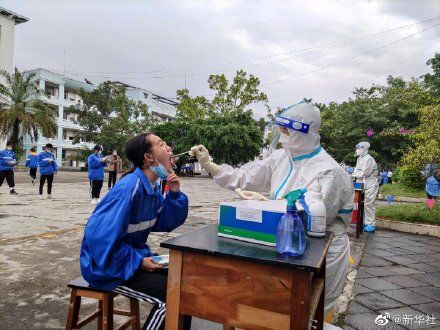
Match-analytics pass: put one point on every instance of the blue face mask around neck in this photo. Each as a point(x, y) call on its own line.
point(160, 171)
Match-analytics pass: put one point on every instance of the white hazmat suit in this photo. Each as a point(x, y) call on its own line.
point(301, 161)
point(366, 171)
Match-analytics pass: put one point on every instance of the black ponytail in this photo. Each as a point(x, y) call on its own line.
point(135, 149)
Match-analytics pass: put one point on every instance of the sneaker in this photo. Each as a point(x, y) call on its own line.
point(13, 192)
point(49, 197)
point(94, 201)
point(369, 229)
point(98, 201)
point(40, 197)
point(33, 182)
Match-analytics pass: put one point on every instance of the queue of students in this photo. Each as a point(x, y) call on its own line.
point(44, 161)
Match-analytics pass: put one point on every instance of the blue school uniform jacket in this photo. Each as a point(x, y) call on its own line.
point(432, 186)
point(95, 167)
point(47, 167)
point(32, 160)
point(115, 236)
point(5, 157)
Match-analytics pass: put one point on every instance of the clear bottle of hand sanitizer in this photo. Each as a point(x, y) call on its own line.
point(291, 236)
point(317, 217)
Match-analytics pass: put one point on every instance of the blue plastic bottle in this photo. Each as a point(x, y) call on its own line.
point(291, 235)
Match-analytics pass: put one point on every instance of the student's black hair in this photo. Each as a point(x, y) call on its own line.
point(135, 149)
point(49, 145)
point(97, 147)
point(33, 149)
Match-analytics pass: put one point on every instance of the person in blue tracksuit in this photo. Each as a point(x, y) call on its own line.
point(383, 177)
point(432, 186)
point(114, 254)
point(32, 163)
point(95, 165)
point(7, 163)
point(48, 168)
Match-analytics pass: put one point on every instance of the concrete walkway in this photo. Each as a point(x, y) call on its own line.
point(399, 274)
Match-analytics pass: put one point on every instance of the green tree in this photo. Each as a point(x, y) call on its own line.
point(224, 124)
point(432, 80)
point(191, 108)
point(236, 96)
point(22, 111)
point(385, 110)
point(426, 139)
point(109, 117)
point(232, 138)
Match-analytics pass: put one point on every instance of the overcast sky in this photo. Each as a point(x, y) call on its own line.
point(313, 49)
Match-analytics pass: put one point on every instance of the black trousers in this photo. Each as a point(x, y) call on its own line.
point(49, 183)
point(96, 187)
point(112, 178)
point(33, 173)
point(151, 287)
point(9, 175)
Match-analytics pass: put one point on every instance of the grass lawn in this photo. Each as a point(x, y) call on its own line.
point(398, 190)
point(417, 213)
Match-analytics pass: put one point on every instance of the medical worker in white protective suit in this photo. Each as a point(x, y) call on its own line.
point(301, 161)
point(366, 172)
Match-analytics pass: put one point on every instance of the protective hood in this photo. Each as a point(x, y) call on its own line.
point(362, 149)
point(303, 136)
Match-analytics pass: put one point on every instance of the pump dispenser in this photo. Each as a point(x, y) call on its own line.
point(291, 236)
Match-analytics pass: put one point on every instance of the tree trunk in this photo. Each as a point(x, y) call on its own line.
point(14, 139)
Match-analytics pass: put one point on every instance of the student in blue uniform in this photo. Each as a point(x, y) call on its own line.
point(32, 163)
point(383, 178)
point(114, 253)
point(48, 168)
point(7, 163)
point(432, 186)
point(95, 165)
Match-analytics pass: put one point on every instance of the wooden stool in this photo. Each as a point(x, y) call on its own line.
point(80, 288)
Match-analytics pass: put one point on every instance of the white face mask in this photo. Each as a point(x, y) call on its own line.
point(290, 142)
point(8, 148)
point(359, 151)
point(284, 139)
point(115, 153)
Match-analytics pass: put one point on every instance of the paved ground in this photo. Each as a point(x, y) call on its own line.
point(40, 241)
point(399, 274)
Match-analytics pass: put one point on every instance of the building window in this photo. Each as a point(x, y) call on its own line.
point(50, 91)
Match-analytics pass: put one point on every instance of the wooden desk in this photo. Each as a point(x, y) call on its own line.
point(244, 285)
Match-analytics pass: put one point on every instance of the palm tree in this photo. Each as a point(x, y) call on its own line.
point(22, 108)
